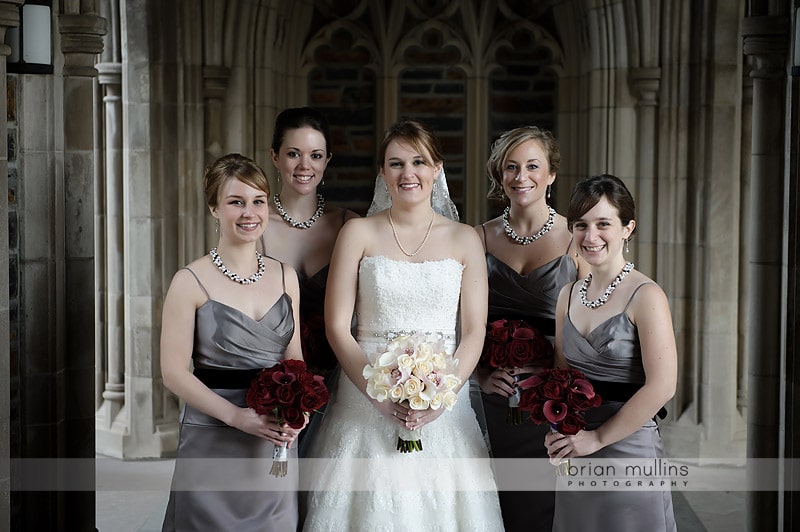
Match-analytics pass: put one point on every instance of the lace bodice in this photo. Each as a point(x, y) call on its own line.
point(395, 295)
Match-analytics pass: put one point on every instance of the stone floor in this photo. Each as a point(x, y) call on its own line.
point(142, 510)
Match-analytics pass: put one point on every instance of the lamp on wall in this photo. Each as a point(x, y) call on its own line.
point(31, 42)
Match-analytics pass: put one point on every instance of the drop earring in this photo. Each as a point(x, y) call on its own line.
point(548, 191)
point(627, 249)
point(216, 226)
point(385, 187)
point(279, 176)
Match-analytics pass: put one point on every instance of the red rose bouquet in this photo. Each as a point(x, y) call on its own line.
point(559, 397)
point(288, 391)
point(514, 344)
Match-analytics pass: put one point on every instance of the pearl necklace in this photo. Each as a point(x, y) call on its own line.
point(276, 199)
point(235, 276)
point(396, 239)
point(525, 240)
point(600, 301)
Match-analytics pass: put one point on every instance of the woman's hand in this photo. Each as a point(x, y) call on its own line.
point(397, 412)
point(406, 417)
point(561, 447)
point(266, 427)
point(416, 419)
point(499, 381)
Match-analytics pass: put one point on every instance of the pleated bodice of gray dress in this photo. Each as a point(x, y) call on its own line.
point(221, 479)
point(611, 357)
point(531, 297)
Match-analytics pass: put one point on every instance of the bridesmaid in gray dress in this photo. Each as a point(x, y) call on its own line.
point(616, 327)
point(526, 273)
point(303, 230)
point(230, 314)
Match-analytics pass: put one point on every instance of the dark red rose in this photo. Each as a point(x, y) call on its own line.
point(520, 349)
point(312, 383)
point(293, 417)
point(553, 389)
point(578, 402)
point(311, 401)
point(571, 424)
point(561, 375)
point(285, 396)
point(554, 411)
point(498, 357)
point(537, 414)
point(499, 331)
point(294, 366)
point(260, 398)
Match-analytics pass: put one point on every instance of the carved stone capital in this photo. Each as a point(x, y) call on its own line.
point(9, 14)
point(109, 73)
point(645, 83)
point(766, 40)
point(81, 42)
point(215, 81)
point(9, 18)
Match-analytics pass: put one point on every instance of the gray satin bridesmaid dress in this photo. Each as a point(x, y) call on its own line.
point(531, 297)
point(611, 358)
point(229, 349)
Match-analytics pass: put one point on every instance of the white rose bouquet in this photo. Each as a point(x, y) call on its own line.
point(416, 369)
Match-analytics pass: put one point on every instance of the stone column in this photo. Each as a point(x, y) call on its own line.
point(792, 497)
point(9, 17)
point(110, 432)
point(766, 42)
point(475, 158)
point(645, 83)
point(215, 84)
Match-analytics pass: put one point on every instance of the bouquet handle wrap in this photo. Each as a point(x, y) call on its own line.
point(514, 414)
point(280, 461)
point(562, 468)
point(409, 440)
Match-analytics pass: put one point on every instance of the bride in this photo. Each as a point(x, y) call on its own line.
point(406, 268)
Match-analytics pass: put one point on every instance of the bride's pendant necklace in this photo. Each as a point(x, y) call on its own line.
point(276, 199)
point(525, 240)
point(600, 301)
point(235, 276)
point(396, 239)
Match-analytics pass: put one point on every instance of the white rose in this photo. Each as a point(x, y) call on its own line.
point(396, 393)
point(377, 392)
point(438, 361)
point(412, 386)
point(449, 399)
point(437, 401)
point(423, 367)
point(405, 361)
point(451, 381)
point(417, 403)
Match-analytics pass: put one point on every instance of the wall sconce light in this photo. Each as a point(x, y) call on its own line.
point(31, 42)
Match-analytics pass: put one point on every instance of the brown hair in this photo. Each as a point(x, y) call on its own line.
point(588, 192)
point(509, 141)
point(299, 117)
point(420, 136)
point(232, 166)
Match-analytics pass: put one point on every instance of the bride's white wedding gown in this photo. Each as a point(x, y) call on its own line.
point(364, 483)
